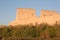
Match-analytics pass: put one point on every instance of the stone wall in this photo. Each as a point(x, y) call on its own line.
point(24, 13)
point(26, 16)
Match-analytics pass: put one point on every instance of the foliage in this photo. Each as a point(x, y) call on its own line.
point(29, 31)
point(52, 32)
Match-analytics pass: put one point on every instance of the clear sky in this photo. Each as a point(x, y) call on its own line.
point(8, 7)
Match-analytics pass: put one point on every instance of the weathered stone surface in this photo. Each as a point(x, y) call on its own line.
point(26, 16)
point(24, 13)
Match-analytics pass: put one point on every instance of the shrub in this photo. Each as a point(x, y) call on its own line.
point(52, 32)
point(28, 31)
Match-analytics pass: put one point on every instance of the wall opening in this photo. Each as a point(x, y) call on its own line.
point(37, 13)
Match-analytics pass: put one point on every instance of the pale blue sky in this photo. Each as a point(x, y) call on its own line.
point(8, 7)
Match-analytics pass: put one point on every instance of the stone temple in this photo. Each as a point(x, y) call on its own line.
point(26, 16)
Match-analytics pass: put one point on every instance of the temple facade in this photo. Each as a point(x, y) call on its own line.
point(26, 16)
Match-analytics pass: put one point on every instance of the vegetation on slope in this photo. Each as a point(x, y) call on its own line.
point(19, 32)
